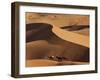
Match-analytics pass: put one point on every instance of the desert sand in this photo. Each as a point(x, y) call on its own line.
point(44, 37)
point(60, 20)
point(44, 62)
point(43, 42)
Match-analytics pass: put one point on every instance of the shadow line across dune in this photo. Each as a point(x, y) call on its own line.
point(41, 42)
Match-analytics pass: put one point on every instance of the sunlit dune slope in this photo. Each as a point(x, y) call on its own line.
point(43, 42)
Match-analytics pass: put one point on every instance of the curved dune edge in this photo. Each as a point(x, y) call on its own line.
point(71, 36)
point(45, 42)
point(45, 62)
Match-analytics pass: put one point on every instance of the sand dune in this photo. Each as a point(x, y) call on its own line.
point(44, 62)
point(42, 42)
point(38, 31)
point(57, 19)
point(44, 39)
point(71, 36)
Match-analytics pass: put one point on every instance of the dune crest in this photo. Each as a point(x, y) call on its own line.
point(42, 42)
point(72, 37)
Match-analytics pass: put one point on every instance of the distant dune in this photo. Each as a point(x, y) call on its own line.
point(42, 42)
point(81, 29)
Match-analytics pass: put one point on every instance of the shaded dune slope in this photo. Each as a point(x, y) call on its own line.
point(42, 42)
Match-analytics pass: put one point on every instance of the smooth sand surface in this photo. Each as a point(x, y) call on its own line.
point(71, 36)
point(44, 62)
point(42, 48)
point(56, 41)
point(43, 42)
point(60, 20)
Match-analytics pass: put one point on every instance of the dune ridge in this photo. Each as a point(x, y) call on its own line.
point(41, 42)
